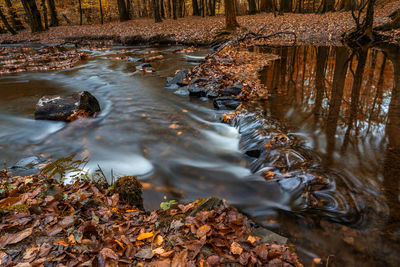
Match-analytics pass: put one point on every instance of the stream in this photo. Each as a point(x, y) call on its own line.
point(340, 109)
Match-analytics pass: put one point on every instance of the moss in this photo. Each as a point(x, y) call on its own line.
point(18, 208)
point(130, 191)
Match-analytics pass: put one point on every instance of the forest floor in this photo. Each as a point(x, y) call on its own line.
point(311, 29)
point(91, 224)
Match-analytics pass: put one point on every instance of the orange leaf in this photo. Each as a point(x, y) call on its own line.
point(144, 236)
point(63, 242)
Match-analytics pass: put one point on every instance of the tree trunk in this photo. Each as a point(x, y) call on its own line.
point(5, 22)
point(266, 5)
point(230, 15)
point(101, 12)
point(196, 11)
point(252, 7)
point(80, 12)
point(329, 5)
point(174, 9)
point(15, 21)
point(46, 21)
point(156, 9)
point(122, 10)
point(53, 13)
point(33, 15)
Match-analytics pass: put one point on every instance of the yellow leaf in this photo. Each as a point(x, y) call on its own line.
point(144, 236)
point(252, 239)
point(159, 240)
point(236, 249)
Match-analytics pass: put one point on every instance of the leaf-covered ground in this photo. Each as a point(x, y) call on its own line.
point(86, 224)
point(310, 29)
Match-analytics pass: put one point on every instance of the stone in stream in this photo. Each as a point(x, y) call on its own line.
point(27, 166)
point(177, 81)
point(182, 91)
point(232, 90)
point(145, 67)
point(227, 103)
point(65, 107)
point(197, 91)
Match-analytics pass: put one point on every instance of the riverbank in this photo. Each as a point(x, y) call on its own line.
point(89, 223)
point(310, 29)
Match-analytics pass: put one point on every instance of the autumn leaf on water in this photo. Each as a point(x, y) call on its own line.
point(173, 126)
point(144, 236)
point(15, 238)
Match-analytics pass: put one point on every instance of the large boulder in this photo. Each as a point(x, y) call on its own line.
point(67, 107)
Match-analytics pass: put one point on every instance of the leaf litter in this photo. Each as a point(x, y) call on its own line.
point(86, 224)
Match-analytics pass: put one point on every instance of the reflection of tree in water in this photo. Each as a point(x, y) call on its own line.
point(348, 105)
point(391, 169)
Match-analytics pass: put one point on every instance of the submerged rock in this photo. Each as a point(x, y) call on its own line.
point(64, 107)
point(227, 103)
point(182, 91)
point(145, 67)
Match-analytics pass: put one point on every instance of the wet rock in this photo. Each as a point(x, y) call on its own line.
point(269, 236)
point(255, 153)
point(134, 59)
point(197, 91)
point(212, 94)
point(183, 91)
point(144, 67)
point(198, 80)
point(62, 107)
point(232, 90)
point(27, 166)
point(227, 103)
point(177, 80)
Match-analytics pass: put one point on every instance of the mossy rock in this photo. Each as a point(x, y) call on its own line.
point(130, 191)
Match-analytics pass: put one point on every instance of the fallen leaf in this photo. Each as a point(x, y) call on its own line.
point(236, 249)
point(109, 254)
point(146, 253)
point(15, 238)
point(144, 236)
point(203, 230)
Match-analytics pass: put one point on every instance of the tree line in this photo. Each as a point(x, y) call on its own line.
point(41, 14)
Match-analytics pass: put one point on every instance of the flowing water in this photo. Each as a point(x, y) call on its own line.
point(340, 110)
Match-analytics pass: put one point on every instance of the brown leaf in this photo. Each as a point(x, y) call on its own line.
point(15, 238)
point(180, 259)
point(203, 230)
point(262, 251)
point(109, 254)
point(146, 253)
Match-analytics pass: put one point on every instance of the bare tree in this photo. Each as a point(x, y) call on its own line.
point(33, 15)
point(230, 15)
point(5, 22)
point(15, 21)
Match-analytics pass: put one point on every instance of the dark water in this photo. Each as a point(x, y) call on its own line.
point(340, 111)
